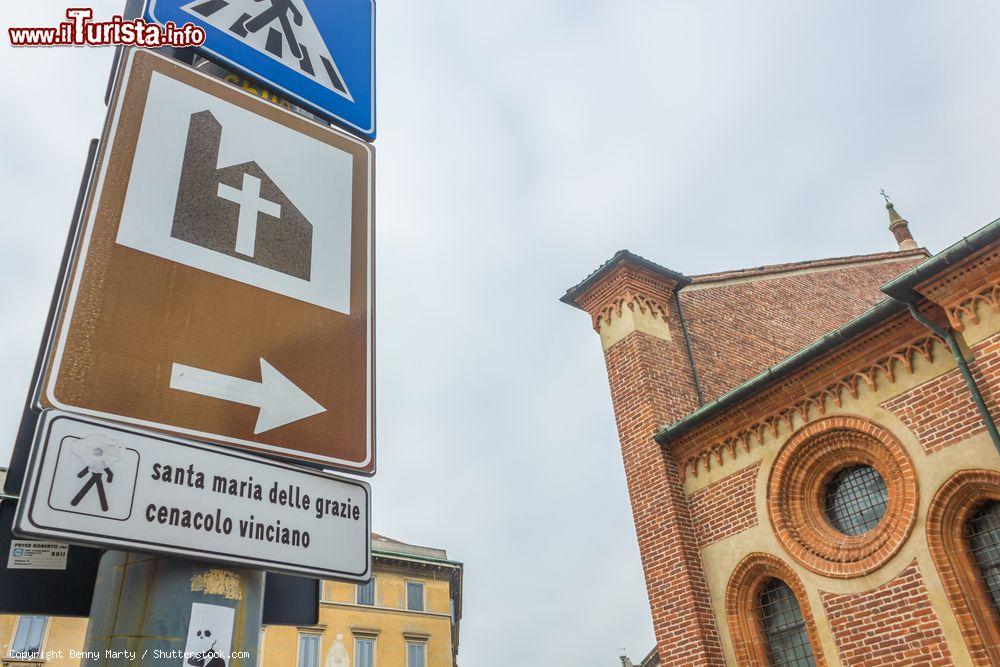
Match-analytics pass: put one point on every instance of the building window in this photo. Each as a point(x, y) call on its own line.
point(963, 533)
point(415, 596)
point(364, 653)
point(366, 593)
point(309, 650)
point(842, 496)
point(855, 499)
point(29, 635)
point(984, 543)
point(770, 622)
point(416, 654)
point(784, 627)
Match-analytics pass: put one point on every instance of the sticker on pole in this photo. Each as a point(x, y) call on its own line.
point(319, 52)
point(110, 486)
point(223, 285)
point(210, 635)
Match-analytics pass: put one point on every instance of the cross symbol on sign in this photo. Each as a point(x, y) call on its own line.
point(250, 203)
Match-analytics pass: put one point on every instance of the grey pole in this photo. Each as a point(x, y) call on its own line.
point(142, 608)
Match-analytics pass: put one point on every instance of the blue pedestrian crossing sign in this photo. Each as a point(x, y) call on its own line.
point(321, 53)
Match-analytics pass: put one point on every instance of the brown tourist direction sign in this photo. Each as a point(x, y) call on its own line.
point(222, 284)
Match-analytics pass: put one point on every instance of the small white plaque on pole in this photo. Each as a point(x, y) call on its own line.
point(108, 485)
point(30, 555)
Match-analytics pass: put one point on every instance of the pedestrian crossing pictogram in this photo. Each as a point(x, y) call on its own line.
point(318, 54)
point(282, 29)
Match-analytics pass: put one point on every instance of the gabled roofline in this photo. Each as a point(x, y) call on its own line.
point(882, 311)
point(900, 291)
point(772, 271)
point(621, 257)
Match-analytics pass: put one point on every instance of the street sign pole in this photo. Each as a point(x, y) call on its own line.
point(153, 610)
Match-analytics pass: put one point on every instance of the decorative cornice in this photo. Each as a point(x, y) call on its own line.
point(628, 286)
point(967, 307)
point(850, 383)
point(961, 288)
point(630, 300)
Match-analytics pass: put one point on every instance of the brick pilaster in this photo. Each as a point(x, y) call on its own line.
point(652, 384)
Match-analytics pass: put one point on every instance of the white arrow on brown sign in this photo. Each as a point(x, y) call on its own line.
point(222, 287)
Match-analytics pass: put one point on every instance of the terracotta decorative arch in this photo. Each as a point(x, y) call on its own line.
point(798, 479)
point(951, 508)
point(742, 614)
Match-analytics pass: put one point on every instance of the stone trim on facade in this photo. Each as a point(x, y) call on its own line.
point(742, 614)
point(798, 479)
point(947, 517)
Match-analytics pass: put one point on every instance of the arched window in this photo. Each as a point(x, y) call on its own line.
point(784, 627)
point(963, 533)
point(984, 543)
point(769, 618)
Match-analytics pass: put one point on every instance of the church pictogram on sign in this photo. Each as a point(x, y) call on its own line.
point(237, 210)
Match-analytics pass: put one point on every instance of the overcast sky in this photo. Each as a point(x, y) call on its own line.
point(521, 143)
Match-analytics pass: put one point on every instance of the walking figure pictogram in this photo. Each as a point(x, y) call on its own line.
point(283, 29)
point(279, 10)
point(98, 453)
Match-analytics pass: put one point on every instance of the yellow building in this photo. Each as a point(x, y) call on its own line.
point(406, 616)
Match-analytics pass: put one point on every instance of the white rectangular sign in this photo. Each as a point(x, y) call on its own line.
point(93, 482)
point(31, 555)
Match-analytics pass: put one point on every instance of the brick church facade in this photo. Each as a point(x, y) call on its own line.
point(811, 454)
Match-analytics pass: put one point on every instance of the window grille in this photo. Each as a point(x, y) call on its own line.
point(856, 498)
point(984, 542)
point(783, 625)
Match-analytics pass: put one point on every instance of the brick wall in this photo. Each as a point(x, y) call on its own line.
point(893, 624)
point(725, 507)
point(651, 385)
point(739, 329)
point(986, 370)
point(940, 412)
